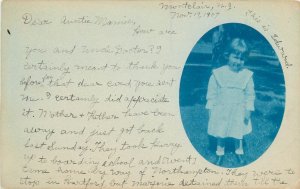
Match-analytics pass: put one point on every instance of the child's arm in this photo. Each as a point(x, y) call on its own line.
point(250, 97)
point(211, 93)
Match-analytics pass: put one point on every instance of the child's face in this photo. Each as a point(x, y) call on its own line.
point(236, 61)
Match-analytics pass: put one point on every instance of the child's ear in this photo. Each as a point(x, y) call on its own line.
point(246, 56)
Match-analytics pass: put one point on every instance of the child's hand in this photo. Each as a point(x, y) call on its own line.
point(247, 117)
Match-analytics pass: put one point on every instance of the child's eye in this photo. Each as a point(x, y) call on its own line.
point(239, 58)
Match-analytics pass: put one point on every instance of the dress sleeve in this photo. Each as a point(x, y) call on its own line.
point(212, 91)
point(250, 95)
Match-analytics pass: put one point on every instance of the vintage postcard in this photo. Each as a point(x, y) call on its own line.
point(150, 94)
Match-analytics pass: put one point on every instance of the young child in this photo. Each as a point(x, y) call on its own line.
point(230, 100)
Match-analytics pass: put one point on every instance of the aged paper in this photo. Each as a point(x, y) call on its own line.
point(91, 95)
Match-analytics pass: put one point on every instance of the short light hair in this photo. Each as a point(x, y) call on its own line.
point(238, 46)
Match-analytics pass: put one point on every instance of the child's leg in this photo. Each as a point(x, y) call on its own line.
point(220, 147)
point(239, 147)
point(220, 150)
point(239, 151)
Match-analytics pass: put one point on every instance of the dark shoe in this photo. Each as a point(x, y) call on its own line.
point(240, 159)
point(219, 160)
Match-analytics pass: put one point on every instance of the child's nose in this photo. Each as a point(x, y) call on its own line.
point(239, 58)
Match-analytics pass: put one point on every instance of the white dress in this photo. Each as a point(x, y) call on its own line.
point(229, 95)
